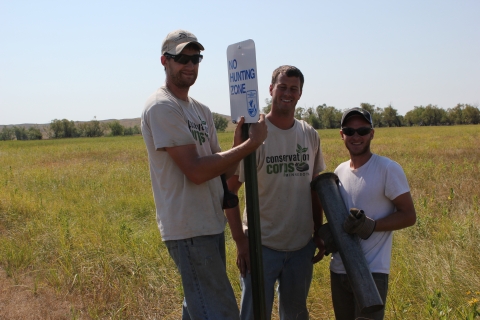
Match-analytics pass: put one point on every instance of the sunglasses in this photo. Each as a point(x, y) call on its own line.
point(184, 58)
point(361, 131)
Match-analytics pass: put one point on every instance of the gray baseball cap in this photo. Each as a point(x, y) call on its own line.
point(176, 40)
point(356, 111)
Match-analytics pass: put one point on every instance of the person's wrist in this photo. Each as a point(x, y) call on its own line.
point(239, 237)
point(252, 144)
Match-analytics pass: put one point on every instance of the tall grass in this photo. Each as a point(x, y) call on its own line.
point(77, 216)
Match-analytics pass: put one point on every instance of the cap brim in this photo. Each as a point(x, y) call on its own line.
point(181, 46)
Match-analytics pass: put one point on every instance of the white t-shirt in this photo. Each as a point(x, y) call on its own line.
point(286, 164)
point(372, 187)
point(184, 209)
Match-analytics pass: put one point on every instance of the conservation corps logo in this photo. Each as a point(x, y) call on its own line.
point(289, 164)
point(302, 166)
point(199, 130)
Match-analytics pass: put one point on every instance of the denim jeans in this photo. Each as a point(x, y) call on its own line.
point(293, 271)
point(202, 266)
point(344, 304)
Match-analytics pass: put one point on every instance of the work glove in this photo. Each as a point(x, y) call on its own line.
point(325, 233)
point(357, 222)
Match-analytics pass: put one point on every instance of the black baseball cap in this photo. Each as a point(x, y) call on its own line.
point(356, 111)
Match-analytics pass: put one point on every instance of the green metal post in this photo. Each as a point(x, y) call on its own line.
point(254, 232)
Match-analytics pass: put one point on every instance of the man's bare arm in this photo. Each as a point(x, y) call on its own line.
point(201, 169)
point(404, 217)
point(235, 224)
point(317, 212)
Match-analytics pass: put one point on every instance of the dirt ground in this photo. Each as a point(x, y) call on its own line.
point(18, 300)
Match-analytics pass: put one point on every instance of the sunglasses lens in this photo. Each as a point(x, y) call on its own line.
point(363, 131)
point(184, 59)
point(348, 131)
point(181, 58)
point(196, 59)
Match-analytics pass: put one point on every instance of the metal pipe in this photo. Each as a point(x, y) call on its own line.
point(254, 232)
point(361, 280)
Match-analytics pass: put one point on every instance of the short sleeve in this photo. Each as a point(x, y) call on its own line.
point(319, 160)
point(396, 182)
point(168, 126)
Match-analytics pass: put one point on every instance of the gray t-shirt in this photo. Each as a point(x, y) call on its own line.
point(184, 209)
point(286, 164)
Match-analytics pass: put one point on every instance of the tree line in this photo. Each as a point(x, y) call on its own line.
point(20, 133)
point(328, 117)
point(69, 129)
point(321, 117)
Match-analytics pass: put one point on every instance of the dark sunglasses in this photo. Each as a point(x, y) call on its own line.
point(361, 131)
point(184, 58)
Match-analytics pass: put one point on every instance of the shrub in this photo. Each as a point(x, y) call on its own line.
point(220, 122)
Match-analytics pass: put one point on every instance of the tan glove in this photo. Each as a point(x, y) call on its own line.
point(357, 222)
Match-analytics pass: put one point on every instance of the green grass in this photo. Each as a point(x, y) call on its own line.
point(77, 216)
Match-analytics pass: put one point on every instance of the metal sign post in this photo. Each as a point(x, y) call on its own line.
point(243, 87)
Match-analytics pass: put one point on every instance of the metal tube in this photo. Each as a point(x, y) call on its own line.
point(254, 232)
point(361, 280)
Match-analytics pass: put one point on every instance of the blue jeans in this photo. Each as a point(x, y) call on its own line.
point(344, 303)
point(202, 266)
point(293, 271)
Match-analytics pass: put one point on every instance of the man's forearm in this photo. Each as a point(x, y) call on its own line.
point(404, 217)
point(200, 169)
point(209, 167)
point(235, 223)
point(317, 210)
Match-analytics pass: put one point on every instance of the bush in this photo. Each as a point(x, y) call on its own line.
point(116, 129)
point(220, 122)
point(132, 130)
point(20, 133)
point(63, 129)
point(90, 129)
point(7, 134)
point(34, 133)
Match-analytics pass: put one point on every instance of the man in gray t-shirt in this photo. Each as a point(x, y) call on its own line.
point(185, 164)
point(287, 162)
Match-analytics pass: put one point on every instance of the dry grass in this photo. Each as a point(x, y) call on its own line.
point(78, 230)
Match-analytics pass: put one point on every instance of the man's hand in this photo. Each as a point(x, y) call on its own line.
point(357, 222)
point(321, 249)
point(325, 234)
point(243, 256)
point(258, 131)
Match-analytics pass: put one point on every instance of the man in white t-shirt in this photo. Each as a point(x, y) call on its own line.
point(287, 162)
point(185, 164)
point(376, 191)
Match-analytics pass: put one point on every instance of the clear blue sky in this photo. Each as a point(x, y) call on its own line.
point(83, 59)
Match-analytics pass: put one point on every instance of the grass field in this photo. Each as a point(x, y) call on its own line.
point(77, 225)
